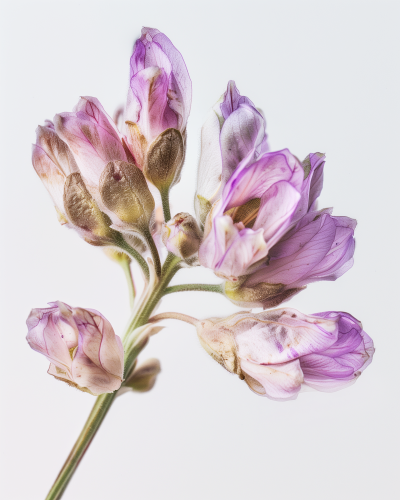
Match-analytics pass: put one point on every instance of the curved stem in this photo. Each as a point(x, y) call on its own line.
point(103, 403)
point(99, 411)
point(165, 203)
point(153, 249)
point(196, 287)
point(125, 264)
point(123, 245)
point(174, 315)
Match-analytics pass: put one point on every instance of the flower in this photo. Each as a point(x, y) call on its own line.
point(254, 212)
point(81, 346)
point(265, 235)
point(58, 170)
point(233, 128)
point(157, 108)
point(181, 235)
point(282, 351)
point(107, 166)
point(319, 248)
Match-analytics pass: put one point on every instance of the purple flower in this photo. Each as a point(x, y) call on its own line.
point(233, 129)
point(160, 92)
point(282, 351)
point(265, 236)
point(255, 210)
point(81, 346)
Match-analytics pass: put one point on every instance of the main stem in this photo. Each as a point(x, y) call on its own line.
point(103, 403)
point(96, 417)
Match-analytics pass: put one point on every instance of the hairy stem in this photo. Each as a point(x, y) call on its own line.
point(123, 245)
point(196, 287)
point(125, 264)
point(153, 249)
point(165, 204)
point(103, 403)
point(174, 315)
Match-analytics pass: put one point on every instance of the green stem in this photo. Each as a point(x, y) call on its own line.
point(99, 411)
point(153, 250)
point(165, 203)
point(103, 403)
point(125, 264)
point(196, 287)
point(123, 245)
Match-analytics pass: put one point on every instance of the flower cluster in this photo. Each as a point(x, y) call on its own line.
point(256, 226)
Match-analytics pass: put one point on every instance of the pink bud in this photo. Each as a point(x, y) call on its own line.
point(81, 346)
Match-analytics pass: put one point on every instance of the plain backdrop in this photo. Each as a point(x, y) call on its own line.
point(326, 74)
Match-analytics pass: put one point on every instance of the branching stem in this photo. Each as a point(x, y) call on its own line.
point(196, 287)
point(174, 315)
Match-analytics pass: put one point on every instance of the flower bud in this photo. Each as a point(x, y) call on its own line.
point(81, 346)
point(181, 235)
point(84, 213)
point(143, 377)
point(59, 172)
point(280, 352)
point(159, 99)
point(124, 191)
point(165, 159)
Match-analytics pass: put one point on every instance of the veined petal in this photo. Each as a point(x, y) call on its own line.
point(242, 132)
point(299, 255)
point(92, 137)
point(150, 86)
point(278, 382)
point(276, 209)
point(248, 182)
point(281, 335)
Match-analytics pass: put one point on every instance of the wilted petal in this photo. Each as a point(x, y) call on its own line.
point(279, 382)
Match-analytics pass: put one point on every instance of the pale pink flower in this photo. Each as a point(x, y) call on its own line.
point(81, 346)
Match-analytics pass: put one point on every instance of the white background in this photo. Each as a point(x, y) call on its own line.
point(326, 74)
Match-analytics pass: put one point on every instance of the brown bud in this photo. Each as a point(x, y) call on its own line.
point(143, 377)
point(124, 191)
point(181, 235)
point(84, 213)
point(165, 159)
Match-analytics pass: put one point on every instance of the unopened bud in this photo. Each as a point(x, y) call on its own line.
point(263, 295)
point(165, 159)
point(181, 235)
point(143, 377)
point(83, 212)
point(124, 191)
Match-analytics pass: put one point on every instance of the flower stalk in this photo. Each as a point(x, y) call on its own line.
point(133, 347)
